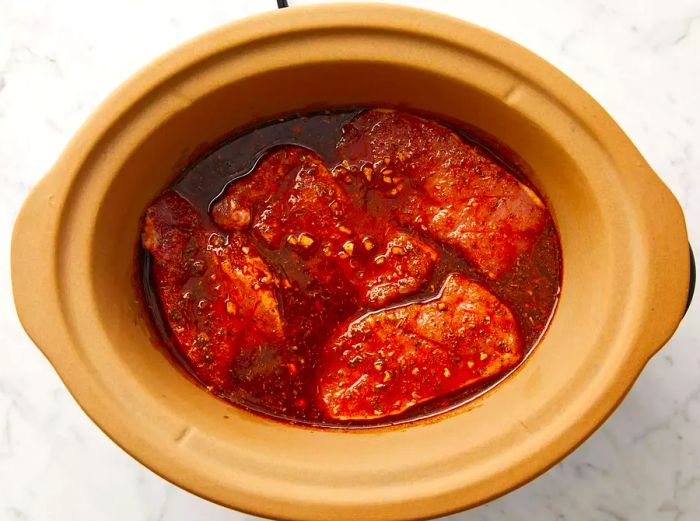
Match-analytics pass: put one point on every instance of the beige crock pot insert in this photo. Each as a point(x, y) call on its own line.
point(626, 268)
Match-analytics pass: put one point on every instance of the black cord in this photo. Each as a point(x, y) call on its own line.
point(691, 286)
point(282, 3)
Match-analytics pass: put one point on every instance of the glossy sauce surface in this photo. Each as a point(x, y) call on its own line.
point(323, 278)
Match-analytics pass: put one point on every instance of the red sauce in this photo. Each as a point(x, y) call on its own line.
point(268, 269)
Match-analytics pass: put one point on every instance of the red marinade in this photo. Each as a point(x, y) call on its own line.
point(353, 268)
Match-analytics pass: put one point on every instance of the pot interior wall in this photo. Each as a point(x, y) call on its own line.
point(192, 120)
point(75, 240)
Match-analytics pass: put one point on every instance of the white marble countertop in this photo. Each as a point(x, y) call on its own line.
point(639, 58)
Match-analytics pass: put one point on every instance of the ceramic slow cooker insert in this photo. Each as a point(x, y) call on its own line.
point(620, 228)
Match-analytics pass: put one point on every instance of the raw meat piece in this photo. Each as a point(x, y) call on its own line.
point(311, 213)
point(460, 197)
point(217, 293)
point(391, 360)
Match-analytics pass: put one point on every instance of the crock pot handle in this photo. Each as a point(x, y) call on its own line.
point(282, 3)
point(691, 283)
point(32, 258)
